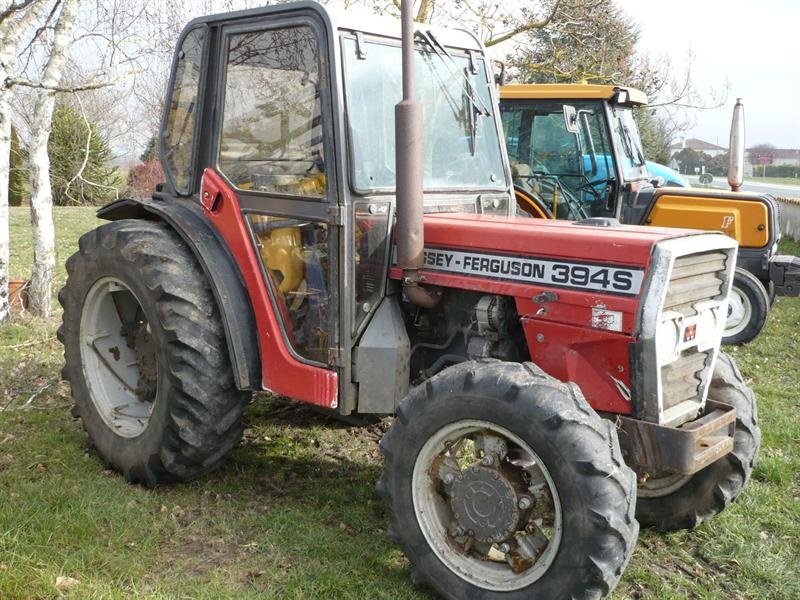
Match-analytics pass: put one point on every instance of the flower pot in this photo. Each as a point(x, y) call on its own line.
point(18, 294)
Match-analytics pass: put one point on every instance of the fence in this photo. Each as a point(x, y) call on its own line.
point(790, 216)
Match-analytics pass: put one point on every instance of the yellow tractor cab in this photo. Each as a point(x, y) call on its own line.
point(575, 153)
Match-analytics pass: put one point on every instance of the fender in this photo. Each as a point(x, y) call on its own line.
point(186, 218)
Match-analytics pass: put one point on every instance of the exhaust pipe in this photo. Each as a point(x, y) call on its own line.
point(736, 148)
point(408, 135)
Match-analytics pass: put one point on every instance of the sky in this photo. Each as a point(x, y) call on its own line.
point(752, 45)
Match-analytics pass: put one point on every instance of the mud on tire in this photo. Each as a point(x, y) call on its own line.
point(696, 498)
point(152, 384)
point(579, 453)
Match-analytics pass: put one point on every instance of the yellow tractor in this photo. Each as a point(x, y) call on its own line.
point(576, 153)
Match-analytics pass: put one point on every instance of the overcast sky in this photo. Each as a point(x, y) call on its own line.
point(753, 45)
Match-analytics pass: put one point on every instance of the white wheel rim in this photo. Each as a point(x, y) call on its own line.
point(434, 515)
point(740, 311)
point(111, 367)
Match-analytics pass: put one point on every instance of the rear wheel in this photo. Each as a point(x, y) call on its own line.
point(672, 502)
point(748, 308)
point(146, 356)
point(502, 482)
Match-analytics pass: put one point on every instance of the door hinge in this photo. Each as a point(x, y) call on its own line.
point(336, 215)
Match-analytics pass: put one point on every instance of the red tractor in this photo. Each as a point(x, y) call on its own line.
point(542, 372)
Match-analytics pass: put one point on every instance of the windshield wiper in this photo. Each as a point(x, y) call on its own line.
point(477, 106)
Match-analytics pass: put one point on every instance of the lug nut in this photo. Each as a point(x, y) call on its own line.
point(524, 503)
point(448, 478)
point(504, 548)
point(487, 461)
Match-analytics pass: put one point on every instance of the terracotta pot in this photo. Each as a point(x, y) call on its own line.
point(18, 293)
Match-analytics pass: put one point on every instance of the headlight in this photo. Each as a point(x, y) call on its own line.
point(668, 337)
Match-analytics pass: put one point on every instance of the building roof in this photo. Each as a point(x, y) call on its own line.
point(696, 144)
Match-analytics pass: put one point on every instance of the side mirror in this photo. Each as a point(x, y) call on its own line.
point(571, 118)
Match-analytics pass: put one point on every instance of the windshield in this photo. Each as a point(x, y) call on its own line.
point(462, 146)
point(568, 169)
point(626, 138)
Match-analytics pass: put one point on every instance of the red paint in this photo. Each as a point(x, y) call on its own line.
point(281, 372)
point(591, 358)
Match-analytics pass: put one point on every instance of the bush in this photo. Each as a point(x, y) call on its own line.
point(776, 171)
point(142, 178)
point(67, 150)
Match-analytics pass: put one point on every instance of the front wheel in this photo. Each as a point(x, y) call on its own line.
point(671, 502)
point(748, 308)
point(502, 482)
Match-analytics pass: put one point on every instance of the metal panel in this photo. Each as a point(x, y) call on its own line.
point(382, 360)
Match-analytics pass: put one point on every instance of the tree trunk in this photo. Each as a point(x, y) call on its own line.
point(41, 288)
point(12, 29)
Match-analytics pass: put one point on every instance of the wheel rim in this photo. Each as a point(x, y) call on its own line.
point(118, 357)
point(740, 311)
point(477, 474)
point(656, 487)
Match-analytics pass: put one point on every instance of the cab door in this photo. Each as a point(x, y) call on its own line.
point(272, 136)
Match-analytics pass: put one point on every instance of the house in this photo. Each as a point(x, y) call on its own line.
point(698, 146)
point(782, 156)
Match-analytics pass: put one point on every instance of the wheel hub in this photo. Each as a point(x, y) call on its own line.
point(484, 503)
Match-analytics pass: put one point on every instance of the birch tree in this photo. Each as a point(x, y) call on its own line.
point(16, 20)
point(43, 227)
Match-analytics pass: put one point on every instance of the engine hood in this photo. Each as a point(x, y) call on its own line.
point(557, 271)
point(546, 238)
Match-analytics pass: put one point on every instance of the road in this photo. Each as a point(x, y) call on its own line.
point(786, 191)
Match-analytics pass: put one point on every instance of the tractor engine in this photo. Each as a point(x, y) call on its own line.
point(463, 326)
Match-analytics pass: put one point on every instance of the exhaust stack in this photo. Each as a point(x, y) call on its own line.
point(408, 135)
point(736, 148)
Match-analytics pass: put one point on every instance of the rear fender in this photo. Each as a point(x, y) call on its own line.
point(749, 218)
point(186, 218)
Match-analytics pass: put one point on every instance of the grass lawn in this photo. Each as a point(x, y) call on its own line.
point(779, 180)
point(293, 513)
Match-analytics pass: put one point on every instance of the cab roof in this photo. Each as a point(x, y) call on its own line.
point(573, 91)
point(352, 19)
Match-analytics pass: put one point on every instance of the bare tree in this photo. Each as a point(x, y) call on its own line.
point(16, 20)
point(40, 291)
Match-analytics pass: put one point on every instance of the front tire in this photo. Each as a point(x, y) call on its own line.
point(674, 502)
point(502, 482)
point(748, 308)
point(145, 354)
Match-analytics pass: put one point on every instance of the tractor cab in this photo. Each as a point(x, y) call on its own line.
point(575, 149)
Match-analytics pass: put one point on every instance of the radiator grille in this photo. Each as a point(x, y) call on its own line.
point(681, 380)
point(694, 278)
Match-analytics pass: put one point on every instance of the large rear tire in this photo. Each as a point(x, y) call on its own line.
point(502, 482)
point(748, 308)
point(675, 502)
point(146, 356)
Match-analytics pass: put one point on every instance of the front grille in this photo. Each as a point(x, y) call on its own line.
point(682, 379)
point(694, 278)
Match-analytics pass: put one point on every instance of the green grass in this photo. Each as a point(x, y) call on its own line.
point(779, 180)
point(293, 513)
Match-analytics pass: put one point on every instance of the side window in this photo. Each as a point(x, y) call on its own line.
point(177, 141)
point(295, 257)
point(271, 137)
point(554, 147)
point(371, 241)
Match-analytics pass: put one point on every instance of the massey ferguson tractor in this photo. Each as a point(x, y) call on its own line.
point(543, 373)
point(575, 152)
